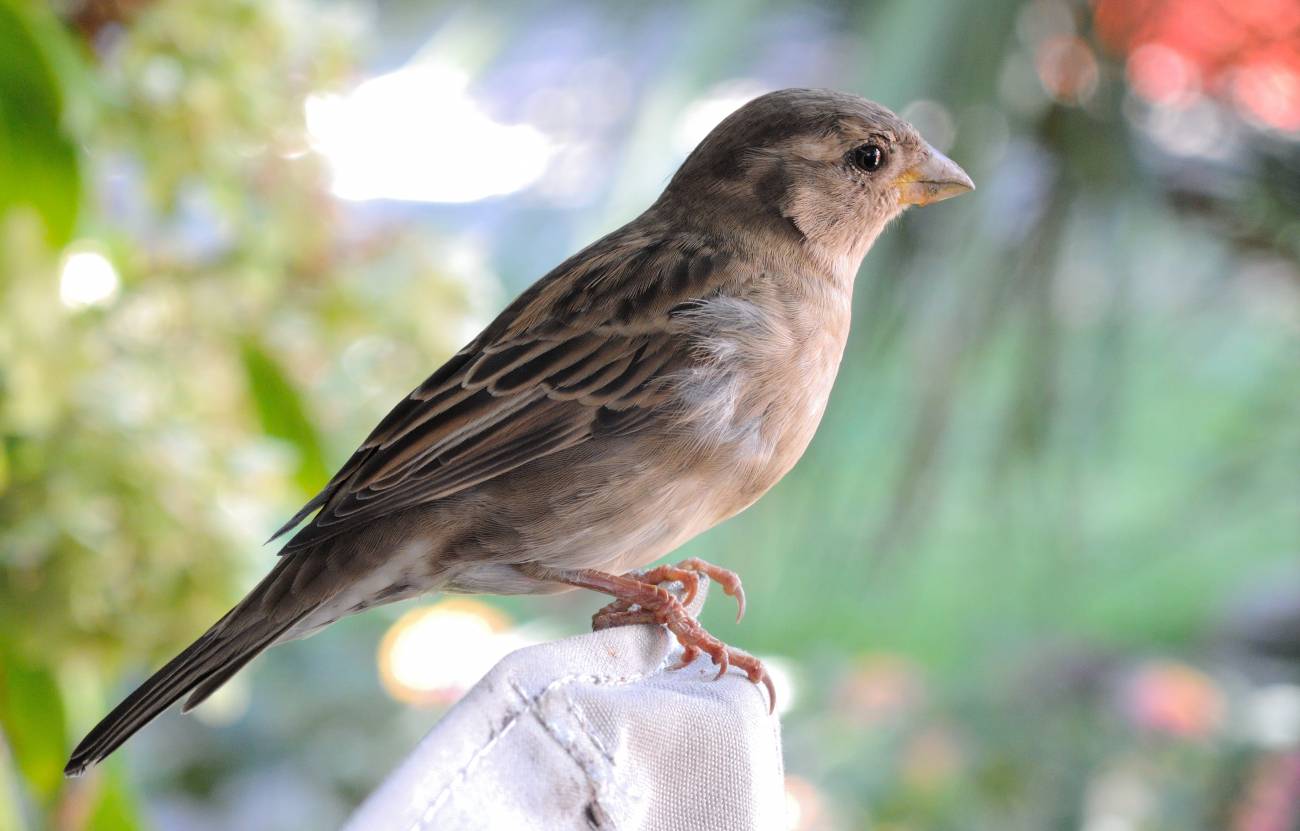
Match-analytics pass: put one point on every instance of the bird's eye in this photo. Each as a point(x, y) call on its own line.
point(868, 157)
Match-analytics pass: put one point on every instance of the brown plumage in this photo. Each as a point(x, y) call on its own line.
point(649, 387)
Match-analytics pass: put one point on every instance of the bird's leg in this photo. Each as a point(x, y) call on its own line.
point(656, 605)
point(687, 573)
point(616, 613)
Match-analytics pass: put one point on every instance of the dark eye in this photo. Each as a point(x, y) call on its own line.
point(868, 157)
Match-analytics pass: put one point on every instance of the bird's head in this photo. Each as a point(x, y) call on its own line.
point(818, 169)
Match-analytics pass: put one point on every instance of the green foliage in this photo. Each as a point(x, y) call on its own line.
point(283, 414)
point(31, 711)
point(114, 808)
point(38, 162)
point(148, 439)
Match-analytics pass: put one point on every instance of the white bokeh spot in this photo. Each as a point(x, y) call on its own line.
point(87, 278)
point(417, 135)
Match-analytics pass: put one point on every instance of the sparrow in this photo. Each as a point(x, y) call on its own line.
point(649, 387)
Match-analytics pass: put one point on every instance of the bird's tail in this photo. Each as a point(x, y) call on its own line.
point(199, 670)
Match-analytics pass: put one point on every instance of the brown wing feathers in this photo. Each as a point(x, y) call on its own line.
point(524, 388)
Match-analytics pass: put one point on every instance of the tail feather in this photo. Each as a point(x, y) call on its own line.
point(202, 667)
point(217, 678)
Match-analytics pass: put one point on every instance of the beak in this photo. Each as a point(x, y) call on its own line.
point(936, 178)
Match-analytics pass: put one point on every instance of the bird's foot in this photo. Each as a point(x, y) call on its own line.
point(688, 574)
point(641, 599)
point(694, 639)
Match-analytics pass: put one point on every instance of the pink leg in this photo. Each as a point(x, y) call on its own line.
point(687, 573)
point(655, 605)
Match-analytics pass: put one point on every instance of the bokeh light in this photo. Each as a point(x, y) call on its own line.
point(228, 704)
point(932, 758)
point(87, 278)
point(806, 807)
point(1269, 91)
point(1246, 52)
point(784, 680)
point(880, 690)
point(704, 113)
point(1272, 799)
point(1067, 69)
point(417, 134)
point(1174, 698)
point(1272, 716)
point(433, 654)
point(933, 121)
point(1162, 75)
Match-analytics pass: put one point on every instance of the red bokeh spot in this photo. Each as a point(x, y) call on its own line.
point(1162, 75)
point(1169, 697)
point(1067, 68)
point(1246, 52)
point(1268, 88)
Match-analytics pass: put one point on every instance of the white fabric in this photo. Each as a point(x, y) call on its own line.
point(588, 733)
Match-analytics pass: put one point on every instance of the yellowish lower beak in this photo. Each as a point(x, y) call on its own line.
point(933, 180)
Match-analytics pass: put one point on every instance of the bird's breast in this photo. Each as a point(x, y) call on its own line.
point(758, 396)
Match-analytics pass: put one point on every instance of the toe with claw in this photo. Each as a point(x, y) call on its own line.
point(640, 598)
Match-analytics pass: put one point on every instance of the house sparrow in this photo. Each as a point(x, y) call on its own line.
point(652, 385)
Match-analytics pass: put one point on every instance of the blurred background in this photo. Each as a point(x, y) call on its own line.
point(1037, 571)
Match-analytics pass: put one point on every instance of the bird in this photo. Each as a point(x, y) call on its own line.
point(649, 387)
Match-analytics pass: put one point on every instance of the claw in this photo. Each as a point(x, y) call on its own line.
point(723, 666)
point(641, 598)
point(689, 654)
point(691, 585)
point(771, 690)
point(729, 580)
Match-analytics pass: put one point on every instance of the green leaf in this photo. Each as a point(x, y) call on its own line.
point(284, 415)
point(32, 717)
point(38, 161)
point(114, 809)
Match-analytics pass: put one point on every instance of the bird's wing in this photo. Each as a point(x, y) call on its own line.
point(584, 352)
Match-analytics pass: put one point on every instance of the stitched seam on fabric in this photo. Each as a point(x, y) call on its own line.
point(530, 705)
point(588, 729)
point(435, 805)
point(570, 747)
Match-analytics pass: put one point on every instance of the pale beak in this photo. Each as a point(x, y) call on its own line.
point(936, 178)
